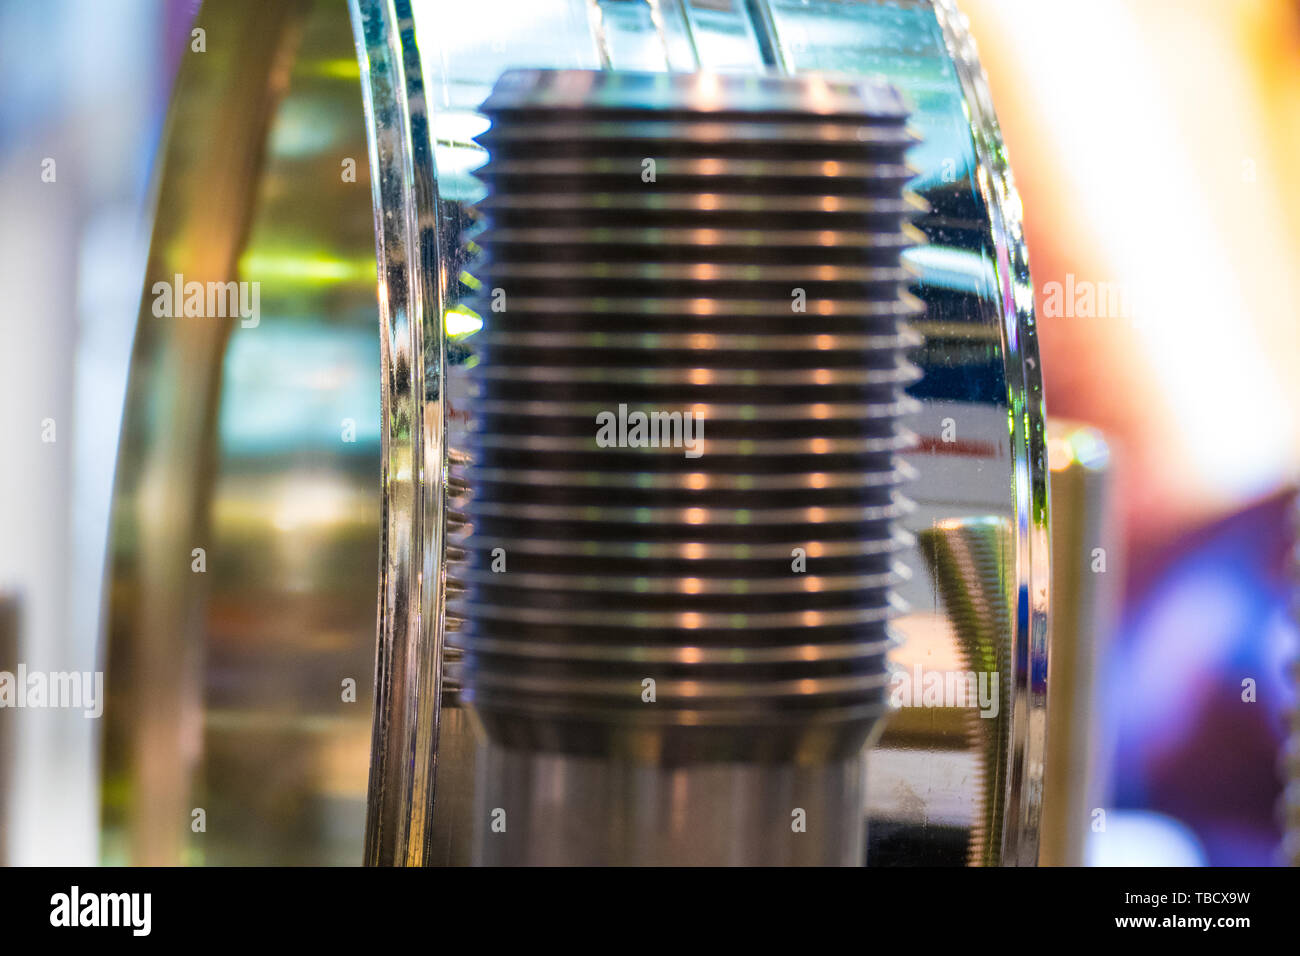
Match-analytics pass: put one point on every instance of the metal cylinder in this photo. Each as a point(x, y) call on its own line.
point(1085, 612)
point(684, 482)
point(535, 807)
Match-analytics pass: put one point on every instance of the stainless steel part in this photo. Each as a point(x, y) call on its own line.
point(968, 559)
point(224, 685)
point(556, 809)
point(412, 279)
point(243, 559)
point(981, 416)
point(714, 261)
point(1087, 571)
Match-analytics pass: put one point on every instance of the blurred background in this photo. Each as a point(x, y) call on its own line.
point(1154, 143)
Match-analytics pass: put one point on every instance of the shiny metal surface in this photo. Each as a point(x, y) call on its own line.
point(1087, 571)
point(980, 356)
point(259, 445)
point(760, 671)
point(968, 559)
point(227, 679)
point(408, 671)
point(558, 809)
point(981, 424)
point(556, 648)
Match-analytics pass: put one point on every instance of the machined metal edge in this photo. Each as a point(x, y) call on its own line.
point(408, 667)
point(1028, 442)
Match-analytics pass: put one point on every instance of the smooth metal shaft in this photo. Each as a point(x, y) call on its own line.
point(567, 810)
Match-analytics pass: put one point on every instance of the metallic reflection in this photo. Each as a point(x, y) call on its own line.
point(225, 680)
point(259, 445)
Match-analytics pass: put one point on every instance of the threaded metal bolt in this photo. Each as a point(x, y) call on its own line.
point(721, 252)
